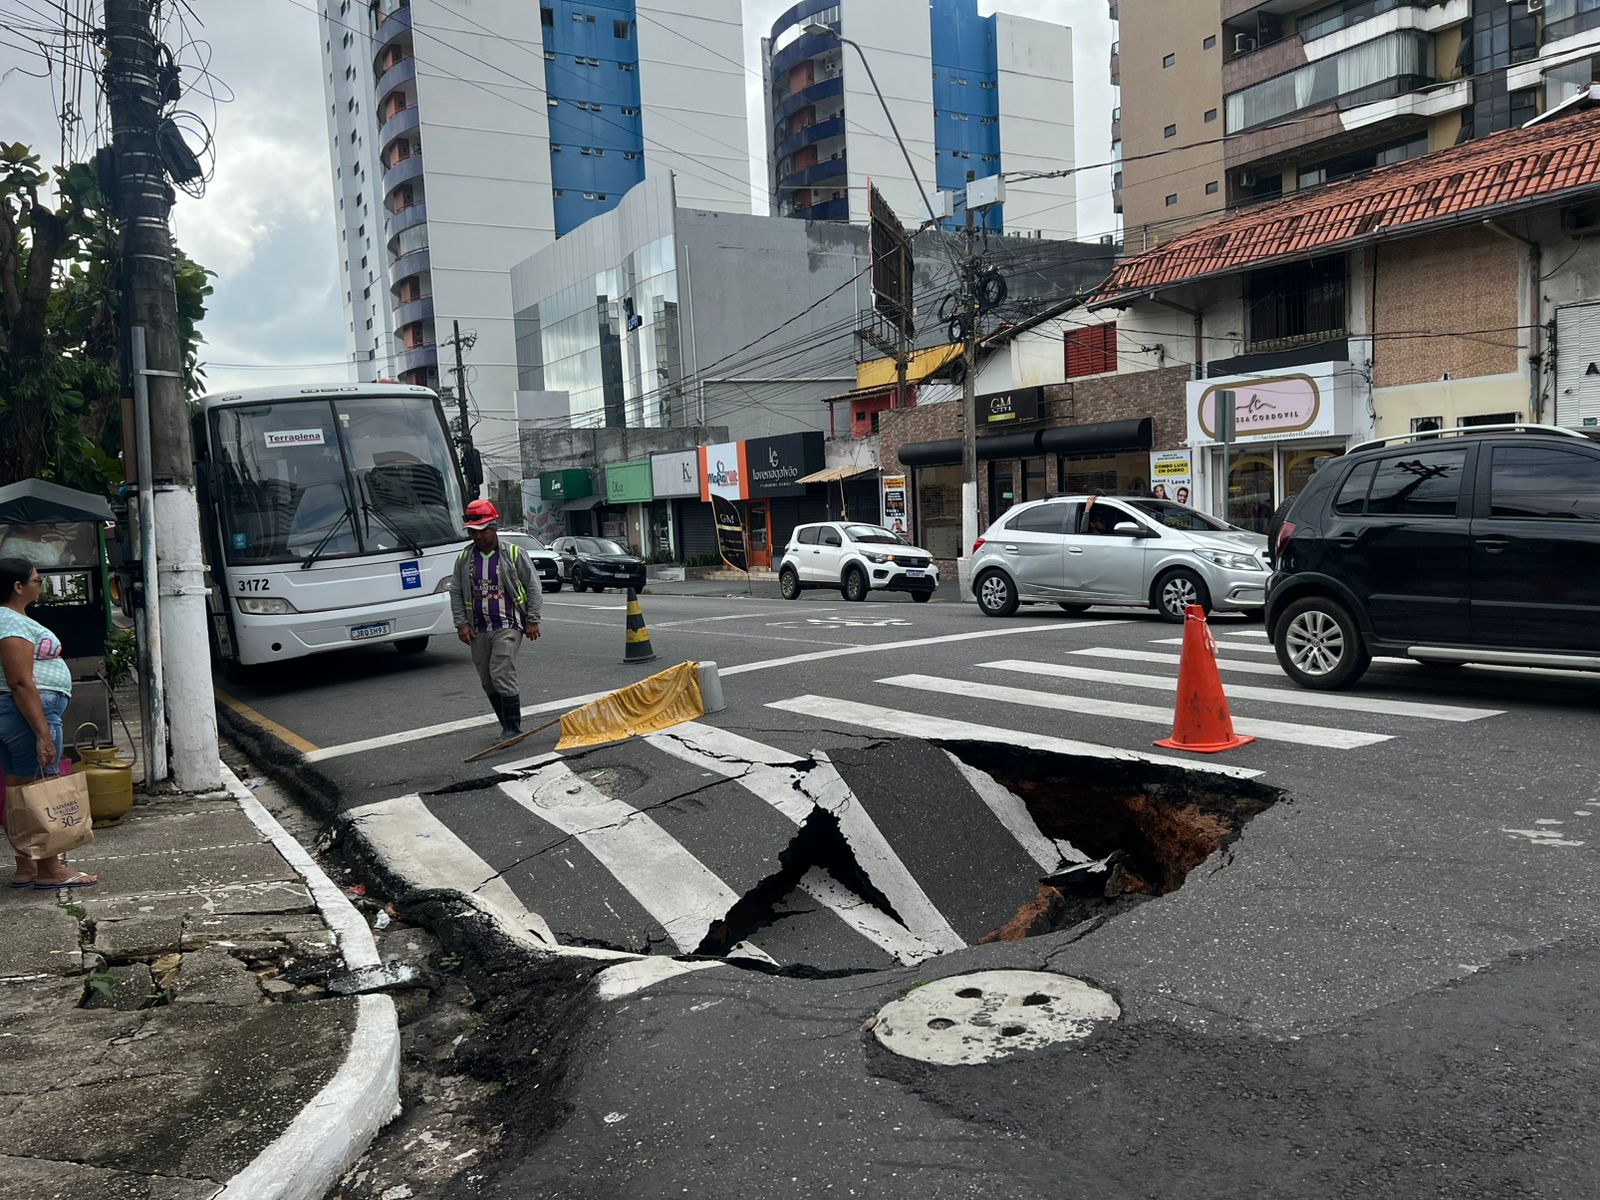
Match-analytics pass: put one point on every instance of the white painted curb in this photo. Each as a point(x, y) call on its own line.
point(334, 1130)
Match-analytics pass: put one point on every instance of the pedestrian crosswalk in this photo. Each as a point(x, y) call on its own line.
point(665, 845)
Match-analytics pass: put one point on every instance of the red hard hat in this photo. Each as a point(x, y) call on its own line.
point(480, 513)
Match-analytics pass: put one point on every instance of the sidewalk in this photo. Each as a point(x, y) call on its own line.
point(170, 1034)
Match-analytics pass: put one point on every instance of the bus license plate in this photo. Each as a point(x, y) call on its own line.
point(372, 630)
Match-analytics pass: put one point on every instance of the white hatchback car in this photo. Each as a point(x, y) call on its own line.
point(854, 559)
point(1077, 551)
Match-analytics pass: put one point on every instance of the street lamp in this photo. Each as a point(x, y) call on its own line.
point(817, 29)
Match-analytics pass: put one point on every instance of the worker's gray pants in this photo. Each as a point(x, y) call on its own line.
point(494, 653)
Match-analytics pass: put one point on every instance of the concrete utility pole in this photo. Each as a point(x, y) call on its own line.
point(150, 304)
point(469, 460)
point(969, 410)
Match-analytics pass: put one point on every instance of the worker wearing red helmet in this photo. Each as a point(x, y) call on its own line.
point(495, 603)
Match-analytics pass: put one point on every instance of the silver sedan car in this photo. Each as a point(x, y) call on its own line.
point(1078, 551)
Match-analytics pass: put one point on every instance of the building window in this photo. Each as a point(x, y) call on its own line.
point(1170, 131)
point(1211, 115)
point(1211, 188)
point(1302, 302)
point(1172, 200)
point(620, 29)
point(547, 17)
point(1168, 61)
point(1210, 43)
point(1091, 350)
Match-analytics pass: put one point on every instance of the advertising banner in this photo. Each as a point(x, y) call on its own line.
point(1007, 408)
point(1172, 475)
point(723, 472)
point(673, 475)
point(896, 506)
point(730, 533)
point(777, 464)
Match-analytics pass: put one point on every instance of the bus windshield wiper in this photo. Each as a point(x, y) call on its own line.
point(406, 539)
point(349, 515)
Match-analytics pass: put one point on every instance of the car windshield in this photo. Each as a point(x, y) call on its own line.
point(1178, 516)
point(587, 545)
point(526, 539)
point(873, 535)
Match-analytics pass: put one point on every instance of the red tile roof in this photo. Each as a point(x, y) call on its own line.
point(1518, 167)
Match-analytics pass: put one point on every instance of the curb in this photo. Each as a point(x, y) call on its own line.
point(330, 1133)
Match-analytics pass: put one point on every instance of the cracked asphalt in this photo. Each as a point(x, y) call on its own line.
point(1384, 987)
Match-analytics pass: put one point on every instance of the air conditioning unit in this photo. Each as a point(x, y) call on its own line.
point(1243, 42)
point(1247, 179)
point(1579, 220)
point(1108, 239)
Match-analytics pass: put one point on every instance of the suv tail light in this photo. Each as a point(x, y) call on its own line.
point(977, 545)
point(1285, 532)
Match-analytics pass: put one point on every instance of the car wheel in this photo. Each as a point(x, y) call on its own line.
point(1176, 591)
point(414, 645)
point(789, 583)
point(553, 585)
point(1072, 609)
point(855, 584)
point(1319, 645)
point(997, 595)
point(922, 597)
point(578, 585)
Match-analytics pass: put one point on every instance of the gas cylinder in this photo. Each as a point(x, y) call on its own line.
point(110, 779)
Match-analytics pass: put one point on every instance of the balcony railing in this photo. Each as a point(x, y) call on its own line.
point(403, 171)
point(1406, 57)
point(403, 71)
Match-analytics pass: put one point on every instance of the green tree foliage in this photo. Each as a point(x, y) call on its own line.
point(61, 348)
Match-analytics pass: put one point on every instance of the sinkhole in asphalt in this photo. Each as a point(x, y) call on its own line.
point(1001, 842)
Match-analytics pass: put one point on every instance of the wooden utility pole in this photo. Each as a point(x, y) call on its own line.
point(176, 614)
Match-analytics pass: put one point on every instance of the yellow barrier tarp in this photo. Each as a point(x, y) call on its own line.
point(649, 706)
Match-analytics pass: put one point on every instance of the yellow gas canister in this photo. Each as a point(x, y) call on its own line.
point(110, 779)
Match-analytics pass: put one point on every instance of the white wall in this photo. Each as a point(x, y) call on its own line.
point(1036, 124)
point(895, 35)
point(486, 166)
point(692, 92)
point(357, 190)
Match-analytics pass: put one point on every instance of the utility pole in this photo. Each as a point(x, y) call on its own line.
point(469, 457)
point(969, 407)
point(150, 307)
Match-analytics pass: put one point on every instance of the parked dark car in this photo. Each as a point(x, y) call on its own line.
point(594, 564)
point(1475, 545)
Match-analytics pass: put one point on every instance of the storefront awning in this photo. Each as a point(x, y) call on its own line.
point(948, 452)
point(835, 474)
point(586, 504)
point(1102, 437)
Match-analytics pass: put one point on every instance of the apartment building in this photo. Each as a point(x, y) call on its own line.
point(466, 136)
point(967, 94)
point(1230, 102)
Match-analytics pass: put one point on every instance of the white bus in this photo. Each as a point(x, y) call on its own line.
point(331, 517)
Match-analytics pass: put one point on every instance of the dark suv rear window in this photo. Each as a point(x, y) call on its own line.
point(1527, 481)
point(1352, 497)
point(1425, 484)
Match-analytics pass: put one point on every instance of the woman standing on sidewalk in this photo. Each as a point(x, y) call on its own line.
point(35, 686)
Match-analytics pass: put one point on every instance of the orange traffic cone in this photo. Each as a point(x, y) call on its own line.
point(1200, 721)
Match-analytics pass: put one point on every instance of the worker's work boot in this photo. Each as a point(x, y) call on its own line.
point(511, 714)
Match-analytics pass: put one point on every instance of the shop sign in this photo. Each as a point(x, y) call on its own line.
point(1310, 401)
point(896, 508)
point(1008, 408)
point(722, 471)
point(1171, 475)
point(777, 464)
point(730, 532)
point(629, 482)
point(673, 475)
point(565, 485)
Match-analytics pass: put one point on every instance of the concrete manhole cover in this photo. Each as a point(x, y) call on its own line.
point(969, 1019)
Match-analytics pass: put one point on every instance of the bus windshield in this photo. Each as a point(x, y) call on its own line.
point(333, 478)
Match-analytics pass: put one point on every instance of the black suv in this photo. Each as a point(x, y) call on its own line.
point(1476, 545)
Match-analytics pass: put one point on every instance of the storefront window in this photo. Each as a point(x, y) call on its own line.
point(1114, 474)
point(661, 539)
point(1260, 477)
point(1300, 465)
point(1251, 497)
point(938, 514)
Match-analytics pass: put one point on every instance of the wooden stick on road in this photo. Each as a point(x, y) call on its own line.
point(510, 742)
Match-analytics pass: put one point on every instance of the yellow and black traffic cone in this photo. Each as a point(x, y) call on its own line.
point(638, 644)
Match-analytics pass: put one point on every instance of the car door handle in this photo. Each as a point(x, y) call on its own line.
point(1074, 549)
point(1346, 538)
point(1011, 549)
point(1494, 543)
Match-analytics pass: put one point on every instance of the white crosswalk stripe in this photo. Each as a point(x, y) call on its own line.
point(1093, 706)
point(1224, 647)
point(669, 883)
point(1279, 695)
point(1154, 656)
point(912, 724)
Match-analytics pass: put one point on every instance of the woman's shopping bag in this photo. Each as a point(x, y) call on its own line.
point(49, 816)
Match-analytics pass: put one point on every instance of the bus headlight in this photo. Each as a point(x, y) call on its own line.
point(264, 606)
point(444, 585)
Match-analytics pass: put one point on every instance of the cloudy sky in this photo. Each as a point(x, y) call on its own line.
point(265, 225)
